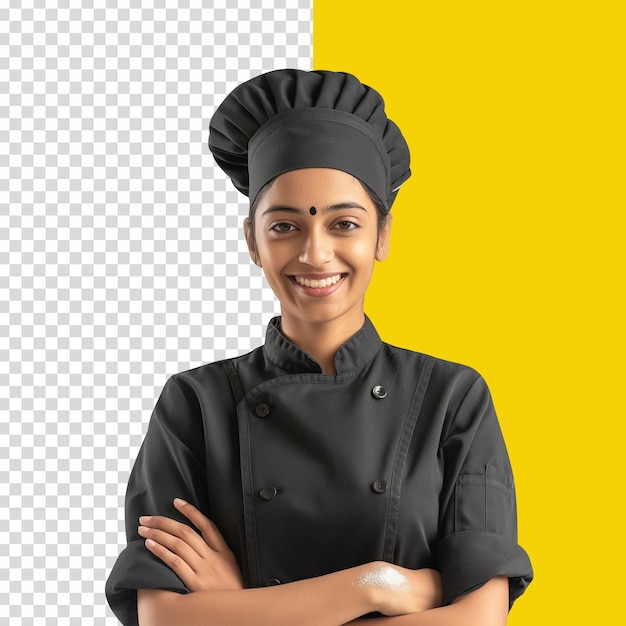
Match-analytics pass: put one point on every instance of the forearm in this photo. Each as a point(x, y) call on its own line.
point(329, 600)
point(208, 568)
point(487, 606)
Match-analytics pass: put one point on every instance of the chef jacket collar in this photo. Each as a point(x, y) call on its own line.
point(358, 350)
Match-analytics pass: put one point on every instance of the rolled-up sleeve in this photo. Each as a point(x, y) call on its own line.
point(170, 464)
point(479, 513)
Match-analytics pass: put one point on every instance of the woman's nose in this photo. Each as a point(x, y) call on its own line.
point(317, 249)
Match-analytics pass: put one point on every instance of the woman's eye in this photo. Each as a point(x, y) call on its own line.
point(345, 225)
point(282, 227)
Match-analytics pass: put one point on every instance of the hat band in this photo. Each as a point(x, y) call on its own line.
point(313, 137)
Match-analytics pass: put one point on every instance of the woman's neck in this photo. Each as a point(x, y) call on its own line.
point(321, 340)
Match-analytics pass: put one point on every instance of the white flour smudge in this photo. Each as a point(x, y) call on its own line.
point(383, 576)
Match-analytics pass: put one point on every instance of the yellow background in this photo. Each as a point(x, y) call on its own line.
point(507, 250)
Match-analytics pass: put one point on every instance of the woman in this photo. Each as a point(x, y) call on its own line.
point(325, 477)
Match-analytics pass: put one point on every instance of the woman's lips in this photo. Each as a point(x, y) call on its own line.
point(319, 285)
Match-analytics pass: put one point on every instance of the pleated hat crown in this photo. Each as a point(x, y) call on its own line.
point(292, 119)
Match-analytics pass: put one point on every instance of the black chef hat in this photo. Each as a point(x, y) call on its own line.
point(291, 119)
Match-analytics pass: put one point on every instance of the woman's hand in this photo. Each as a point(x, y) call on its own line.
point(204, 562)
point(397, 590)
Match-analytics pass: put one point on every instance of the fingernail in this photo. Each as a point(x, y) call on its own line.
point(150, 543)
point(179, 501)
point(144, 519)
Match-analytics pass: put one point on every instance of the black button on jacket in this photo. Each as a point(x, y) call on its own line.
point(307, 474)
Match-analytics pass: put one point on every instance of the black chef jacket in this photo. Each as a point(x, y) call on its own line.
point(397, 457)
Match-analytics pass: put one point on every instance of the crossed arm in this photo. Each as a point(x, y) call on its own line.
point(210, 571)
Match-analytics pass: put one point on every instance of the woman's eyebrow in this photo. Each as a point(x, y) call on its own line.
point(343, 205)
point(281, 209)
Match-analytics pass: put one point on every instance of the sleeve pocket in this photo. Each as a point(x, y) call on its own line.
point(485, 501)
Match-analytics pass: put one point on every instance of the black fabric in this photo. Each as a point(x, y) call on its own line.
point(479, 556)
point(292, 119)
point(311, 473)
point(137, 568)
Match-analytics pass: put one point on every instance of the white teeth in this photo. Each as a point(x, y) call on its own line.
point(318, 284)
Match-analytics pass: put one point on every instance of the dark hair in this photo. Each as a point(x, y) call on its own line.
point(379, 205)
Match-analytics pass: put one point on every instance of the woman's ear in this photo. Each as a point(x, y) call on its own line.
point(250, 242)
point(382, 248)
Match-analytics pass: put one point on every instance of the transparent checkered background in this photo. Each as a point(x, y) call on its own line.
point(121, 260)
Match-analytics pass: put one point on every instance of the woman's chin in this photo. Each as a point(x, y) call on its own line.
point(323, 313)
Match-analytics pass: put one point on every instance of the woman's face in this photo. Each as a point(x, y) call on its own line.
point(316, 239)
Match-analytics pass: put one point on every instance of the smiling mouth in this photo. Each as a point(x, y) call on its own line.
point(319, 283)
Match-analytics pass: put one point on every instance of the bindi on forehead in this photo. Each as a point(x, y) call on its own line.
point(312, 210)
